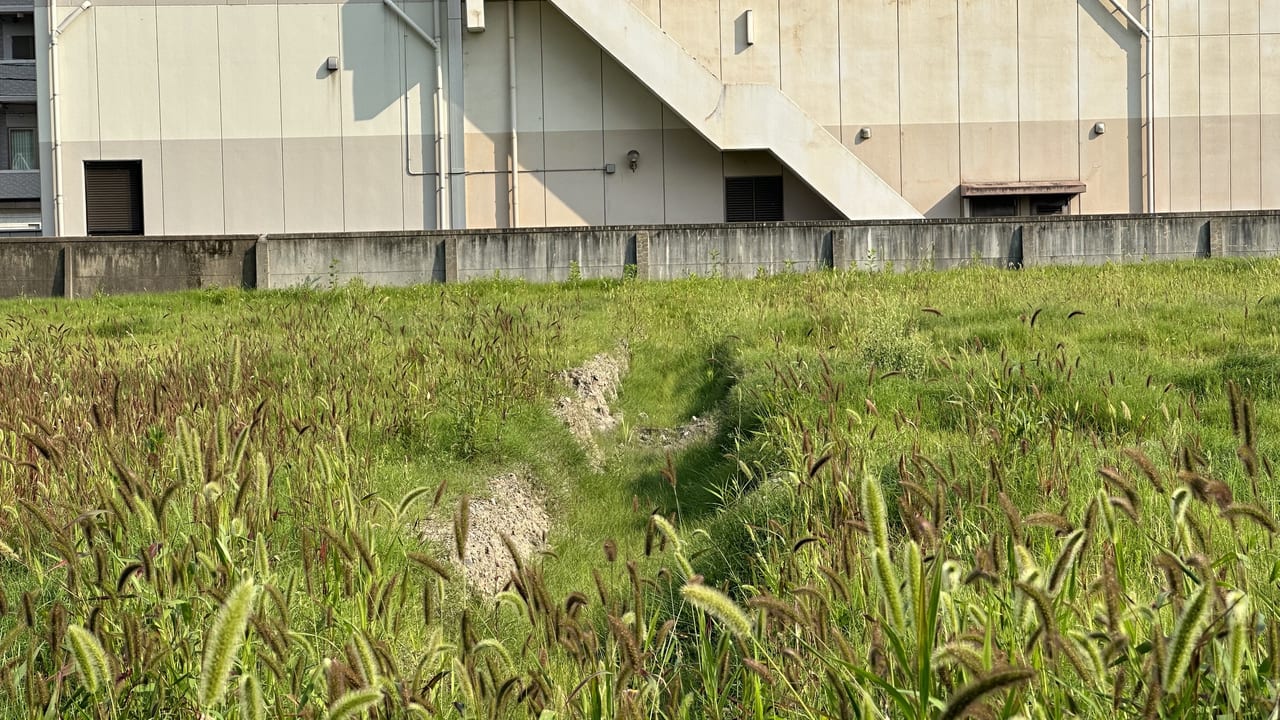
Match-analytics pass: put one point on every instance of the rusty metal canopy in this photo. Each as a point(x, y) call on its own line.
point(1032, 187)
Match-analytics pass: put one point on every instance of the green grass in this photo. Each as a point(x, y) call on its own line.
point(155, 451)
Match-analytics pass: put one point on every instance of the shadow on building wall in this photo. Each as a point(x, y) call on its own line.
point(387, 63)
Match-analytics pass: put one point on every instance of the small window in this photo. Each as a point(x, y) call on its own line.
point(22, 149)
point(22, 47)
point(753, 199)
point(1050, 205)
point(113, 197)
point(1011, 199)
point(993, 206)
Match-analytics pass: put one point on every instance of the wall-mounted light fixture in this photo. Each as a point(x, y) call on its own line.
point(749, 27)
point(1099, 128)
point(331, 64)
point(865, 133)
point(633, 160)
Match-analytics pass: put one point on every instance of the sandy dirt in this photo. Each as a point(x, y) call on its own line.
point(512, 508)
point(511, 505)
point(586, 410)
point(675, 439)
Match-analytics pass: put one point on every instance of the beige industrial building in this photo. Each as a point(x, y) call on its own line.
point(176, 117)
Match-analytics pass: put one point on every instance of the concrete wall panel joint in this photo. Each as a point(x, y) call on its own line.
point(451, 259)
point(68, 272)
point(262, 263)
point(643, 271)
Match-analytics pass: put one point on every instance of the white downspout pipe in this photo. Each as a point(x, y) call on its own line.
point(515, 115)
point(439, 109)
point(55, 116)
point(1146, 31)
point(442, 129)
point(409, 23)
point(457, 104)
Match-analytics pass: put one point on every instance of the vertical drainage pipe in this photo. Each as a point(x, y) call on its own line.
point(1146, 31)
point(55, 113)
point(442, 127)
point(515, 115)
point(437, 107)
point(457, 152)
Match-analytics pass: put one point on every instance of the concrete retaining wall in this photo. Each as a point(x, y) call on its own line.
point(1079, 241)
point(157, 265)
point(542, 256)
point(31, 268)
point(1249, 235)
point(929, 245)
point(82, 267)
point(735, 251)
point(319, 260)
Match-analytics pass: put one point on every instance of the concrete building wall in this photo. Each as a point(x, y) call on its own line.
point(579, 110)
point(1218, 104)
point(1010, 90)
point(239, 126)
point(241, 129)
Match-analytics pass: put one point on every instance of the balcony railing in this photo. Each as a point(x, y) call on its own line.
point(17, 79)
point(19, 184)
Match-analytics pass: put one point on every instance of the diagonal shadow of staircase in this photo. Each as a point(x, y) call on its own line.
point(736, 116)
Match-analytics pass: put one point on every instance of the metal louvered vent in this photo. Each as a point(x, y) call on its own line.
point(113, 197)
point(753, 199)
point(739, 199)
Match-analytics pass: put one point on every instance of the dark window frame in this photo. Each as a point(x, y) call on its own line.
point(1042, 205)
point(113, 197)
point(30, 48)
point(995, 206)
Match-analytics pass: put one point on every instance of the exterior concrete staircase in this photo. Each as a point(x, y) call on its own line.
point(736, 116)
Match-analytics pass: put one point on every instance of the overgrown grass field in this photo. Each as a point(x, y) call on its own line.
point(1042, 494)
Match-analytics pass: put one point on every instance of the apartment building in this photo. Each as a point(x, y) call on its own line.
point(19, 136)
point(174, 117)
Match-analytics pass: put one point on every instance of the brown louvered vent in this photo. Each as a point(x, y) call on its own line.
point(113, 197)
point(753, 199)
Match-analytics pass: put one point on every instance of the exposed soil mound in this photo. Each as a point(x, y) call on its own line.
point(671, 439)
point(512, 508)
point(587, 410)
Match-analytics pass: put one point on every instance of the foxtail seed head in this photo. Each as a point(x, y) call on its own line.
point(1195, 615)
point(353, 703)
point(877, 514)
point(90, 659)
point(252, 705)
point(719, 606)
point(223, 643)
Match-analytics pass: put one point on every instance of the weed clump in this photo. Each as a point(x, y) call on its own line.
point(893, 343)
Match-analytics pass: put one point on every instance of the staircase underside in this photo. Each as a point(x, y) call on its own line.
point(735, 116)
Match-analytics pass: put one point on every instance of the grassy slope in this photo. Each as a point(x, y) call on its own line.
point(436, 384)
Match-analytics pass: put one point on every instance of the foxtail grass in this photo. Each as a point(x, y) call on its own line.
point(963, 702)
point(223, 643)
point(354, 703)
point(252, 704)
point(1186, 635)
point(877, 514)
point(719, 606)
point(90, 659)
